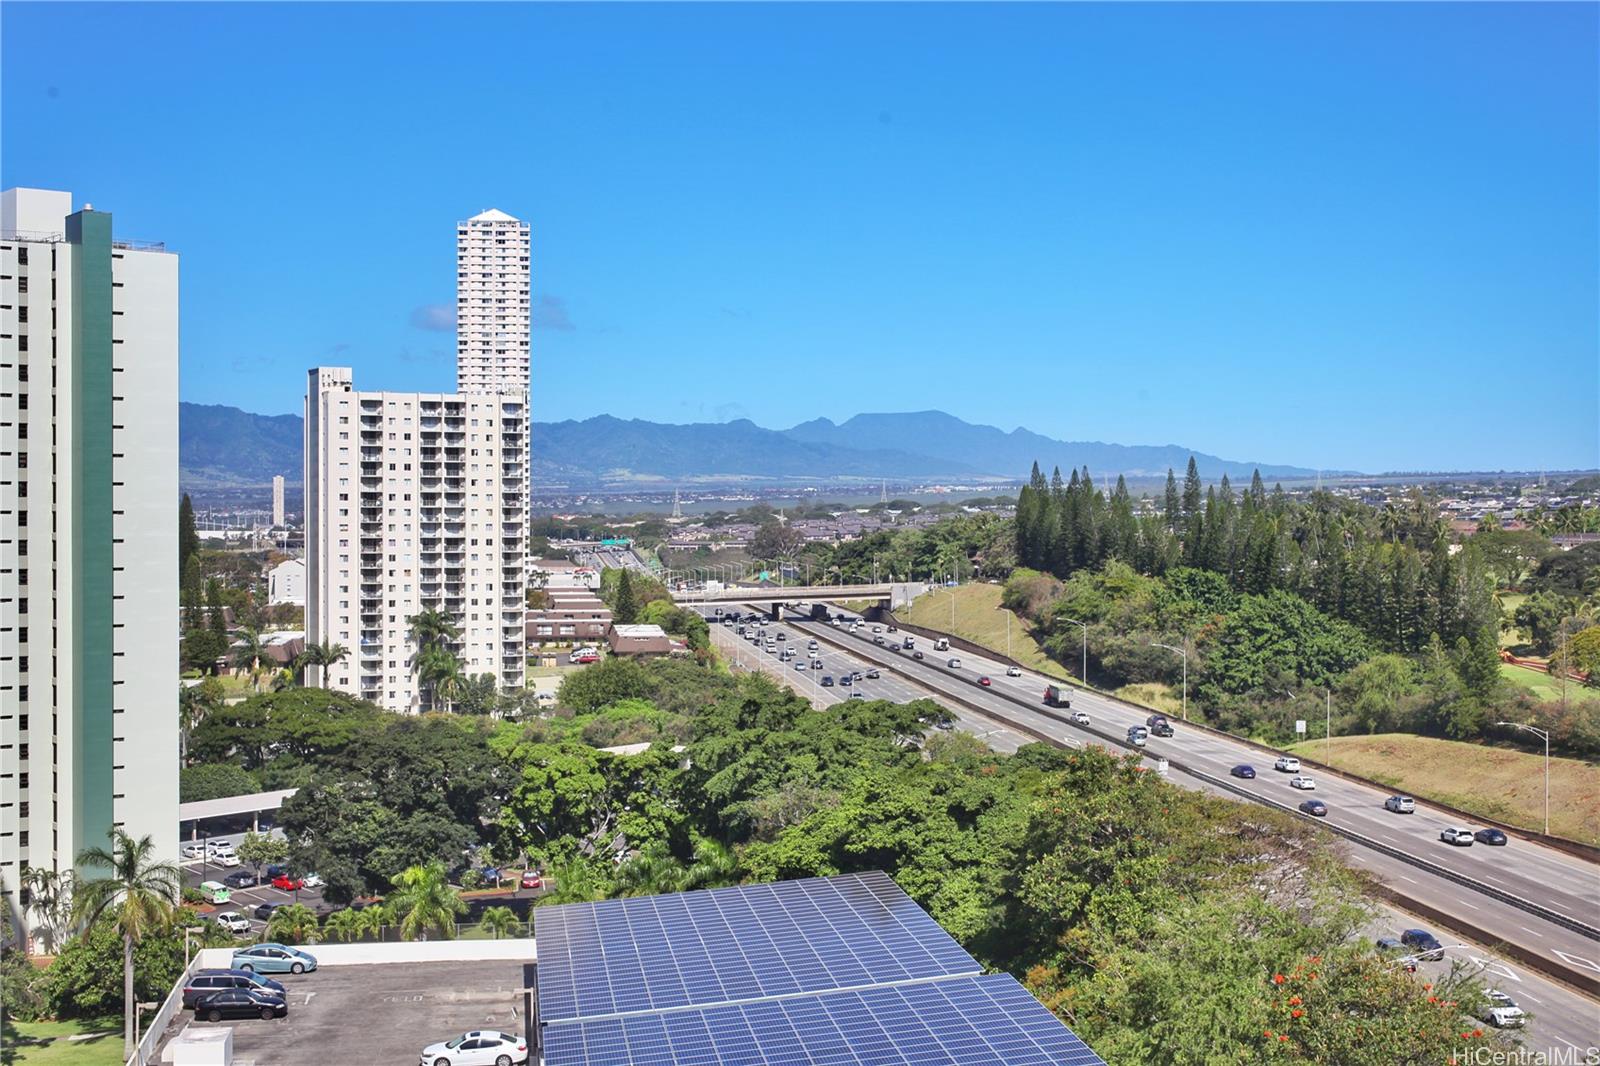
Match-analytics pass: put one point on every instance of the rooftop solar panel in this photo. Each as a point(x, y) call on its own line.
point(952, 1021)
point(726, 945)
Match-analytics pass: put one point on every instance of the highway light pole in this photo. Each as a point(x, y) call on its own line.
point(1185, 653)
point(1083, 674)
point(1007, 610)
point(1536, 731)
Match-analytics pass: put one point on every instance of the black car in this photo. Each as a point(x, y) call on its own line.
point(872, 675)
point(1162, 728)
point(275, 869)
point(847, 679)
point(1315, 808)
point(241, 879)
point(240, 1003)
point(1389, 946)
point(264, 911)
point(208, 981)
point(827, 681)
point(1424, 943)
point(1490, 836)
point(1244, 770)
point(916, 655)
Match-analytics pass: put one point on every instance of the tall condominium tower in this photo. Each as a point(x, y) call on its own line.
point(413, 501)
point(277, 499)
point(88, 535)
point(492, 304)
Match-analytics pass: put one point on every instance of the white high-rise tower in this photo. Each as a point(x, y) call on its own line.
point(492, 304)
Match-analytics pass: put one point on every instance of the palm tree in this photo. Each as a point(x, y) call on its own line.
point(321, 656)
point(50, 900)
point(431, 627)
point(193, 706)
point(146, 893)
point(500, 921)
point(433, 630)
point(439, 672)
point(294, 924)
point(425, 901)
point(650, 872)
point(341, 927)
point(714, 865)
point(248, 652)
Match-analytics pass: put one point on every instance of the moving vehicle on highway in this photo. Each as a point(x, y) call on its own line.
point(1302, 782)
point(1424, 943)
point(954, 664)
point(1461, 838)
point(274, 958)
point(1013, 671)
point(1081, 717)
point(1244, 770)
point(827, 681)
point(872, 675)
point(942, 644)
point(1138, 735)
point(800, 666)
point(858, 695)
point(1162, 728)
point(1057, 696)
point(1315, 808)
point(240, 1003)
point(1389, 946)
point(984, 681)
point(481, 1047)
point(1502, 1011)
point(1400, 804)
point(1492, 837)
point(908, 643)
point(916, 655)
point(1287, 764)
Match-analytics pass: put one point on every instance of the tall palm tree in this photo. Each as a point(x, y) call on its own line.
point(294, 924)
point(49, 900)
point(439, 673)
point(322, 656)
point(425, 901)
point(500, 921)
point(431, 627)
point(248, 653)
point(145, 893)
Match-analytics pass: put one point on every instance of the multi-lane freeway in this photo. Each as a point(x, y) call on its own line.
point(1566, 888)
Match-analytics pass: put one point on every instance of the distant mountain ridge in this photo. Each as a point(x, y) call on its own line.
point(224, 447)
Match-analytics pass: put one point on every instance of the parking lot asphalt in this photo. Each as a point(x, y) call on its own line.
point(377, 1015)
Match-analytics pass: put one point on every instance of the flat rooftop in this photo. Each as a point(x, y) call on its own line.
point(385, 1013)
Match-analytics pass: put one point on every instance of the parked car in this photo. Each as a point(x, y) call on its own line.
point(531, 879)
point(1244, 770)
point(263, 912)
point(276, 869)
point(1081, 717)
point(1400, 804)
point(1423, 943)
point(194, 851)
point(984, 681)
point(215, 892)
point(1492, 837)
point(285, 883)
point(478, 1048)
point(225, 858)
point(1502, 1011)
point(1301, 781)
point(1461, 838)
point(241, 879)
point(232, 921)
point(1389, 946)
point(1287, 764)
point(1315, 808)
point(240, 1003)
point(204, 982)
point(274, 958)
point(313, 881)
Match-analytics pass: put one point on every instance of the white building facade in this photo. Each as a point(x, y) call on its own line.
point(286, 583)
point(492, 304)
point(88, 574)
point(277, 499)
point(413, 500)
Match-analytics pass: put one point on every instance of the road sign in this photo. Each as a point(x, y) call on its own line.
point(1300, 725)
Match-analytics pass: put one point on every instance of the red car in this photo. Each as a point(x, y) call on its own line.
point(287, 883)
point(531, 879)
point(985, 682)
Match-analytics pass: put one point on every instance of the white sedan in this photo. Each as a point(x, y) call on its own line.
point(1081, 717)
point(1458, 837)
point(194, 851)
point(312, 881)
point(1302, 782)
point(481, 1047)
point(1013, 671)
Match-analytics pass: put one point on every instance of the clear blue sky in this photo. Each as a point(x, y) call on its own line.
point(1350, 236)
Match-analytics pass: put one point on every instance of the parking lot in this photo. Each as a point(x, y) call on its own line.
point(377, 1015)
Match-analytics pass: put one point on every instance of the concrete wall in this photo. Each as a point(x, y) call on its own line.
point(517, 949)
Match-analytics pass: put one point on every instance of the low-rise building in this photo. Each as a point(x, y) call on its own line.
point(286, 583)
point(639, 640)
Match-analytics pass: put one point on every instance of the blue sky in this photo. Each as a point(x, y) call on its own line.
point(1350, 236)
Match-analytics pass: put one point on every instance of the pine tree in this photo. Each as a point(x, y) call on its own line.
point(1258, 491)
point(1191, 491)
point(1172, 505)
point(626, 612)
point(218, 617)
point(188, 538)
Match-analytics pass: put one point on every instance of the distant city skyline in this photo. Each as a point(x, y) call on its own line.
point(1328, 235)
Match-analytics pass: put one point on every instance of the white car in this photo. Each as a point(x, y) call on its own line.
point(481, 1047)
point(225, 858)
point(1081, 717)
point(1013, 671)
point(1456, 836)
point(1287, 764)
point(1302, 782)
point(194, 851)
point(312, 881)
point(799, 665)
point(232, 921)
point(1502, 1011)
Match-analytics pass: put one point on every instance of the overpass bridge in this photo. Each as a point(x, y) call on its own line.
point(887, 594)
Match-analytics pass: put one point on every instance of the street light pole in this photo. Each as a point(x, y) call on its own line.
point(1536, 731)
point(1007, 610)
point(1185, 653)
point(1083, 672)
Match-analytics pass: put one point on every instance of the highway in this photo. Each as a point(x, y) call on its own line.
point(1566, 884)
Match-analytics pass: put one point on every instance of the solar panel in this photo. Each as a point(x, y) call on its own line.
point(725, 945)
point(952, 1021)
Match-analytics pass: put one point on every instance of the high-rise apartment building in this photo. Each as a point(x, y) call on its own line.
point(277, 499)
point(492, 304)
point(413, 500)
point(88, 535)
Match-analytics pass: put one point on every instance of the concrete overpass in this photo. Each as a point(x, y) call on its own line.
point(888, 594)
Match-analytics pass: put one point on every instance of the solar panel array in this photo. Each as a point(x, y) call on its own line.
point(692, 948)
point(838, 971)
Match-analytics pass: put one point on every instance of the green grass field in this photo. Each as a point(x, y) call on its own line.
point(1499, 783)
point(1543, 685)
point(1154, 695)
point(979, 618)
point(48, 1044)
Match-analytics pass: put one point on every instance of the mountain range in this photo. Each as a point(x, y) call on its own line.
point(222, 447)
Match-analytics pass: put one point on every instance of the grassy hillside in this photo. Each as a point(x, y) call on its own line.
point(1497, 783)
point(978, 618)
